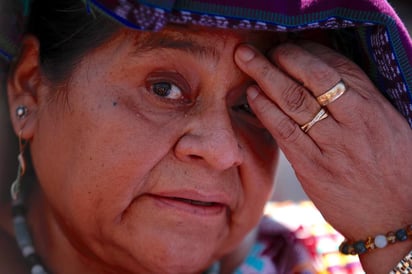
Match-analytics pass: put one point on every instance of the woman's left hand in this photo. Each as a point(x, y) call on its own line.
point(355, 164)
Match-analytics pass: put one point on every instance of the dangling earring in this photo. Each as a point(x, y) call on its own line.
point(21, 113)
point(20, 222)
point(15, 187)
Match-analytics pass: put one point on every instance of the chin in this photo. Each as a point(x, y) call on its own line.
point(173, 265)
point(170, 257)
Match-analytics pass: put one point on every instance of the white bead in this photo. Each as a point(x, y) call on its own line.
point(38, 269)
point(380, 241)
point(27, 250)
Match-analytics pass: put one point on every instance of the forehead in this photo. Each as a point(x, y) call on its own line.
point(203, 41)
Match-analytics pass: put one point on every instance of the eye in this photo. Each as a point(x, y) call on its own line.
point(246, 114)
point(170, 88)
point(244, 108)
point(166, 90)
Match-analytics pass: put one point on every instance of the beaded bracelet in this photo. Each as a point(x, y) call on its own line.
point(379, 241)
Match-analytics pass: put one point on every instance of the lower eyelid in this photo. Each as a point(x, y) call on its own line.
point(163, 102)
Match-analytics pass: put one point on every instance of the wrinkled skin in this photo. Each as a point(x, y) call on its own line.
point(99, 191)
point(355, 164)
point(162, 118)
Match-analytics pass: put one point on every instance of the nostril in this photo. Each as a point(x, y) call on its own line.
point(195, 157)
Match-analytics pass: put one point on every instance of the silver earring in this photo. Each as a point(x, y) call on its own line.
point(21, 112)
point(16, 185)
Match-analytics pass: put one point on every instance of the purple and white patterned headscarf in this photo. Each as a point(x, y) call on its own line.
point(383, 39)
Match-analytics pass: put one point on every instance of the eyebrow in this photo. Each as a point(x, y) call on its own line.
point(174, 41)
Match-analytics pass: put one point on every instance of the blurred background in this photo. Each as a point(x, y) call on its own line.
point(287, 186)
point(404, 9)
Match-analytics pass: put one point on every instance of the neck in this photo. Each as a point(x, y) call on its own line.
point(57, 252)
point(230, 262)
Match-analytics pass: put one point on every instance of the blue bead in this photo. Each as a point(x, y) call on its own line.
point(344, 248)
point(359, 247)
point(401, 235)
point(22, 232)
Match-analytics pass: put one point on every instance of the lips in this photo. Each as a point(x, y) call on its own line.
point(194, 202)
point(200, 206)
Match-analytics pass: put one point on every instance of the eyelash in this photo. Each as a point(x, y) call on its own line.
point(244, 107)
point(169, 87)
point(166, 89)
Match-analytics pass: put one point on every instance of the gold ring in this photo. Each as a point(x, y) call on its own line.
point(322, 114)
point(331, 95)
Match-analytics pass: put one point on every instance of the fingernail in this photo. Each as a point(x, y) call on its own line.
point(252, 92)
point(245, 53)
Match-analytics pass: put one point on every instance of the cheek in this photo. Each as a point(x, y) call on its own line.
point(259, 173)
point(259, 168)
point(259, 146)
point(102, 161)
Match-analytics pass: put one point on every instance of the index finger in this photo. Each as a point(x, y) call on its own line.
point(321, 72)
point(290, 96)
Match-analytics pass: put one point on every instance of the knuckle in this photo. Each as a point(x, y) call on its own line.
point(264, 107)
point(266, 71)
point(283, 128)
point(341, 63)
point(261, 70)
point(295, 99)
point(288, 130)
point(285, 51)
point(320, 72)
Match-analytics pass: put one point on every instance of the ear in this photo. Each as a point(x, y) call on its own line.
point(22, 87)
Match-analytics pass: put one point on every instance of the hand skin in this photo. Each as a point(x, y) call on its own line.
point(355, 164)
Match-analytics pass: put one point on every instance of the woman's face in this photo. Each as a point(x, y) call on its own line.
point(151, 159)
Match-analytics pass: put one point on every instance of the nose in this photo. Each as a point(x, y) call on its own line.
point(210, 139)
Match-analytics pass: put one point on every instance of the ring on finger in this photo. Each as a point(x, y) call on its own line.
point(331, 95)
point(322, 114)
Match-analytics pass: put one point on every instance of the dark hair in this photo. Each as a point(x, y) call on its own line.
point(66, 30)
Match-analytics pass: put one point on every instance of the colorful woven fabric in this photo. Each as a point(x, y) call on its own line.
point(12, 18)
point(294, 237)
point(318, 236)
point(277, 250)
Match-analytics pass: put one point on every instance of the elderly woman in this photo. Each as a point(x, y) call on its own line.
point(153, 131)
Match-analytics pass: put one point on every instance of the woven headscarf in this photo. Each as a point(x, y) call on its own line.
point(12, 21)
point(382, 38)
